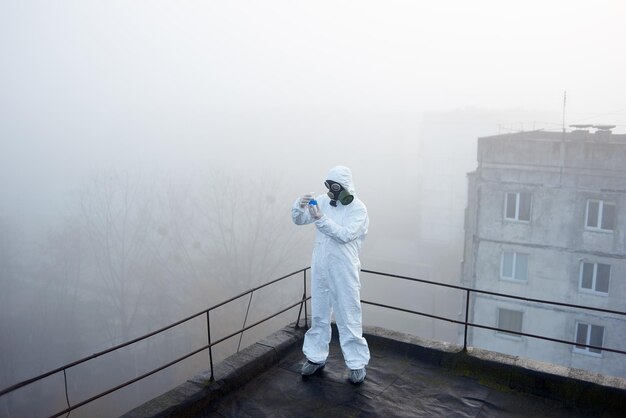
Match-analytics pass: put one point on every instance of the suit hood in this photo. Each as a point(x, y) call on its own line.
point(343, 176)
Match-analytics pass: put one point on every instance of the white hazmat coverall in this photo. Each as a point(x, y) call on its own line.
point(335, 283)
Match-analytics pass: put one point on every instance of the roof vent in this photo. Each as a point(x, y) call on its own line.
point(603, 132)
point(603, 127)
point(581, 127)
point(581, 132)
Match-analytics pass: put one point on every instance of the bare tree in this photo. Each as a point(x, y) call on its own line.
point(117, 213)
point(61, 272)
point(252, 233)
point(129, 256)
point(228, 230)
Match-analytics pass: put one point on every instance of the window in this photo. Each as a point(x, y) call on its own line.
point(600, 215)
point(517, 207)
point(595, 276)
point(509, 320)
point(591, 335)
point(514, 266)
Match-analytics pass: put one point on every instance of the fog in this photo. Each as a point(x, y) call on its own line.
point(150, 152)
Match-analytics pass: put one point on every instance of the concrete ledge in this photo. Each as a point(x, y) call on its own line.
point(192, 396)
point(574, 387)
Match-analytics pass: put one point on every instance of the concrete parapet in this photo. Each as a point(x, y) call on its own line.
point(505, 373)
point(195, 394)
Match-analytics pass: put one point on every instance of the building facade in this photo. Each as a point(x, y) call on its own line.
point(546, 219)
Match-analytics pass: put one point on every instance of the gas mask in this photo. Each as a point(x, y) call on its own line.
point(336, 192)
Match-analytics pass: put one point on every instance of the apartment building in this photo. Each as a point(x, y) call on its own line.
point(546, 219)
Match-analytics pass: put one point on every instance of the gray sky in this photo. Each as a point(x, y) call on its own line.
point(92, 84)
point(157, 55)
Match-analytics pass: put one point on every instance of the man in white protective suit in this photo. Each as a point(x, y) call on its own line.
point(341, 220)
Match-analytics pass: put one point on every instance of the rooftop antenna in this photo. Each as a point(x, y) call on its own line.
point(562, 147)
point(564, 102)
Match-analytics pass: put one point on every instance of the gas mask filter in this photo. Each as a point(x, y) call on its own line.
point(336, 192)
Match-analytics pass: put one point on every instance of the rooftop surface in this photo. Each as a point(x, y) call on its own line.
point(406, 377)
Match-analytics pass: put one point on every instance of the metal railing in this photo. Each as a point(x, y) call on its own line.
point(466, 324)
point(209, 346)
point(302, 303)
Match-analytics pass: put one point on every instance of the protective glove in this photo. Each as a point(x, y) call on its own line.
point(304, 200)
point(315, 212)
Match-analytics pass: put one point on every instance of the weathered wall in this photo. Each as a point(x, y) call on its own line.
point(561, 176)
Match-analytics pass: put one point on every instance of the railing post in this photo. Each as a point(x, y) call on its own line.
point(67, 397)
point(300, 313)
point(306, 315)
point(303, 303)
point(245, 320)
point(208, 328)
point(467, 299)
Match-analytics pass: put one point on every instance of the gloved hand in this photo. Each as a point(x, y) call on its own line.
point(315, 212)
point(304, 200)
